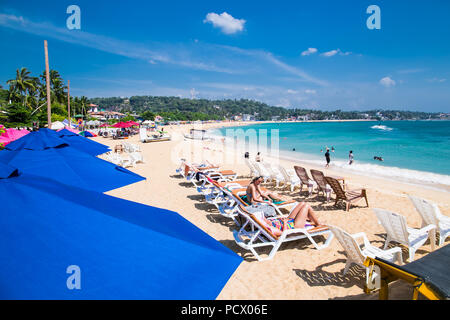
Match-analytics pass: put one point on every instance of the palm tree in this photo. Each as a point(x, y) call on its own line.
point(84, 101)
point(57, 86)
point(13, 95)
point(23, 83)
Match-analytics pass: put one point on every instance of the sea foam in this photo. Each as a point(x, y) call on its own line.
point(394, 173)
point(382, 127)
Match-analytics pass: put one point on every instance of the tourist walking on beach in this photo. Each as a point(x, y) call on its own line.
point(258, 157)
point(327, 158)
point(350, 158)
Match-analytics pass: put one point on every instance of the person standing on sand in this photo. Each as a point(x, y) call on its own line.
point(350, 158)
point(258, 157)
point(327, 158)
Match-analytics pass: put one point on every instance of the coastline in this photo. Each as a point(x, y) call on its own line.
point(395, 174)
point(298, 271)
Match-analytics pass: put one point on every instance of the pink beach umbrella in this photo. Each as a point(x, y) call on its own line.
point(11, 135)
point(71, 130)
point(133, 123)
point(122, 125)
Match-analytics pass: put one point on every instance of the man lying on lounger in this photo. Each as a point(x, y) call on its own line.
point(255, 194)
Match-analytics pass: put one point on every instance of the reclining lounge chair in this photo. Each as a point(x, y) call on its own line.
point(322, 185)
point(305, 179)
point(398, 231)
point(349, 197)
point(254, 234)
point(430, 214)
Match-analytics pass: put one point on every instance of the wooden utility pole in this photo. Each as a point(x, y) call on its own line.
point(47, 74)
point(68, 102)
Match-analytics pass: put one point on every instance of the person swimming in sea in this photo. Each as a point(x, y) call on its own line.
point(378, 158)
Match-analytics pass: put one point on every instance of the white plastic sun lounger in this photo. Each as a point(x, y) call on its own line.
point(254, 235)
point(431, 215)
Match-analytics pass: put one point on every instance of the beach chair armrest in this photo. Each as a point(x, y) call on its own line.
point(359, 235)
point(423, 230)
point(363, 236)
point(443, 219)
point(354, 192)
point(393, 250)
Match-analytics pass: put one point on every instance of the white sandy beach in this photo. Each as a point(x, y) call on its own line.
point(298, 271)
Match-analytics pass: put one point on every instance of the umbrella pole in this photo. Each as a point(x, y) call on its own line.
point(47, 75)
point(68, 102)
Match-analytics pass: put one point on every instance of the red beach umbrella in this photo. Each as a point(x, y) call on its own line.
point(133, 123)
point(122, 125)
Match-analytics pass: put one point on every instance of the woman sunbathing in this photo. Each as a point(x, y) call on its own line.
point(301, 217)
point(255, 194)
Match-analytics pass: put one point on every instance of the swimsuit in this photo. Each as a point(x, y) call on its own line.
point(246, 199)
point(278, 224)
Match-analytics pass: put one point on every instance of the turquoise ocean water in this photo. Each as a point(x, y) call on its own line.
point(412, 150)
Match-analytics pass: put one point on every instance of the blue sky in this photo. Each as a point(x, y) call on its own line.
point(306, 54)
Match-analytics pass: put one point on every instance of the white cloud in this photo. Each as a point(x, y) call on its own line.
point(269, 57)
point(310, 91)
point(225, 22)
point(335, 52)
point(438, 80)
point(387, 82)
point(128, 49)
point(293, 70)
point(309, 51)
point(290, 91)
point(330, 53)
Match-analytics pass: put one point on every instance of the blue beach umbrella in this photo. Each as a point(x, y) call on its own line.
point(81, 143)
point(63, 242)
point(86, 134)
point(43, 154)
